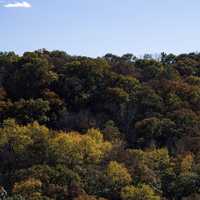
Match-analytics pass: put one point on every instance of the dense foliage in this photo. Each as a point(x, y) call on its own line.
point(80, 128)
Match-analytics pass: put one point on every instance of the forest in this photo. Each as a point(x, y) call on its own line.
point(105, 128)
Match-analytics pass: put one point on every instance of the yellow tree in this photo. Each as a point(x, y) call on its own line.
point(29, 189)
point(75, 149)
point(143, 192)
point(116, 177)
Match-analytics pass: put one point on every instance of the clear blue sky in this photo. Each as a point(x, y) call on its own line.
point(96, 27)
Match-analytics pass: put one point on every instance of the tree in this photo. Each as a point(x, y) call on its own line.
point(28, 111)
point(186, 185)
point(143, 192)
point(23, 145)
point(116, 177)
point(74, 149)
point(15, 197)
point(155, 132)
point(56, 111)
point(147, 131)
point(30, 77)
point(148, 102)
point(186, 164)
point(111, 132)
point(5, 105)
point(149, 69)
point(88, 197)
point(30, 188)
point(168, 59)
point(81, 80)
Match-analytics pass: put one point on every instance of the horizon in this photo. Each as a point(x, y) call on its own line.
point(141, 56)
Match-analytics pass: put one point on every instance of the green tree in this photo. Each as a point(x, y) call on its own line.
point(31, 75)
point(28, 111)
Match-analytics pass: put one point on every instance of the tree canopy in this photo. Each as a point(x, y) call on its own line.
point(106, 128)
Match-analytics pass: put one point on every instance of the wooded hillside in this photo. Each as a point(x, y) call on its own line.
point(115, 128)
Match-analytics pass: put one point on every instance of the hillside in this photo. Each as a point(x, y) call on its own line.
point(109, 128)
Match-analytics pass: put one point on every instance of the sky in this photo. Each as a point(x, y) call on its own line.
point(96, 27)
